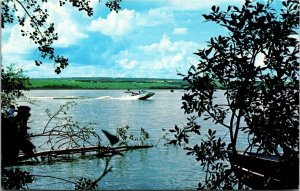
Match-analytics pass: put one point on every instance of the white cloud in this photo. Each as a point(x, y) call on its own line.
point(127, 64)
point(16, 43)
point(28, 66)
point(126, 21)
point(162, 59)
point(73, 70)
point(65, 25)
point(165, 46)
point(161, 47)
point(155, 17)
point(170, 54)
point(180, 31)
point(116, 24)
point(69, 31)
point(46, 70)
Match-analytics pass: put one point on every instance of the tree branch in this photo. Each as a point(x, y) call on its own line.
point(46, 176)
point(220, 122)
point(237, 128)
point(29, 15)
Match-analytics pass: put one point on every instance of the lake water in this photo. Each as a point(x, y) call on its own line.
point(160, 167)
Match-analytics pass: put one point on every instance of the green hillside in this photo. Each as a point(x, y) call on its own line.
point(105, 83)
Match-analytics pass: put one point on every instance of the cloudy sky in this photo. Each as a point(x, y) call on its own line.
point(147, 38)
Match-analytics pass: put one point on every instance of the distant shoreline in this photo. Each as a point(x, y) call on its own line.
point(76, 88)
point(104, 83)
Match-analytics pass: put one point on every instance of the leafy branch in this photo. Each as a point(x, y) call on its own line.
point(63, 132)
point(124, 137)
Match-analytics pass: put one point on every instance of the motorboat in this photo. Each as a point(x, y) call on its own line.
point(142, 94)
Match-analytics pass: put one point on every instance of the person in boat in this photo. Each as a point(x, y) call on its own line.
point(14, 134)
point(11, 111)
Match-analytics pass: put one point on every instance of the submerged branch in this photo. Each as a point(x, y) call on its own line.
point(47, 176)
point(99, 149)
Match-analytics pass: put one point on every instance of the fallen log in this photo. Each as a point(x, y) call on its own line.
point(101, 150)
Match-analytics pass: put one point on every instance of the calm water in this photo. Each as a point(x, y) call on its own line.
point(161, 167)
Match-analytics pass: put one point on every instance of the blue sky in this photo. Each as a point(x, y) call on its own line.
point(146, 39)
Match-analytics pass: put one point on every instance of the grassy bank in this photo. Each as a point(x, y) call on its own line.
point(105, 83)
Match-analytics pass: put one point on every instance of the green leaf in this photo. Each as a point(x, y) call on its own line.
point(209, 132)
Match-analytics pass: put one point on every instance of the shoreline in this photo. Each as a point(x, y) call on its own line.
point(104, 89)
point(101, 84)
point(108, 84)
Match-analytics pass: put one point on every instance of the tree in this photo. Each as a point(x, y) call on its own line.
point(39, 30)
point(262, 94)
point(13, 82)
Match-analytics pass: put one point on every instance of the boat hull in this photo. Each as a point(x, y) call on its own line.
point(260, 171)
point(145, 96)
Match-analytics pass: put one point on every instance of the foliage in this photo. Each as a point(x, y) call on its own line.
point(85, 184)
point(144, 135)
point(183, 134)
point(263, 95)
point(15, 179)
point(13, 82)
point(89, 184)
point(113, 5)
point(34, 24)
point(124, 137)
point(211, 153)
point(63, 132)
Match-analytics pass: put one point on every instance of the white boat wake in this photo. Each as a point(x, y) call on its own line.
point(59, 97)
point(104, 97)
point(132, 96)
point(125, 97)
point(40, 97)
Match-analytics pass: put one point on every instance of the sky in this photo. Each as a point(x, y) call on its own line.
point(145, 39)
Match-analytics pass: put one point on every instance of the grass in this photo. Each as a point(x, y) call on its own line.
point(105, 83)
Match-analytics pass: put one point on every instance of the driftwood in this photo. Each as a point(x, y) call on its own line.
point(101, 150)
point(15, 128)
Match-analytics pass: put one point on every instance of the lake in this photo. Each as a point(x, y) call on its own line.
point(160, 167)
